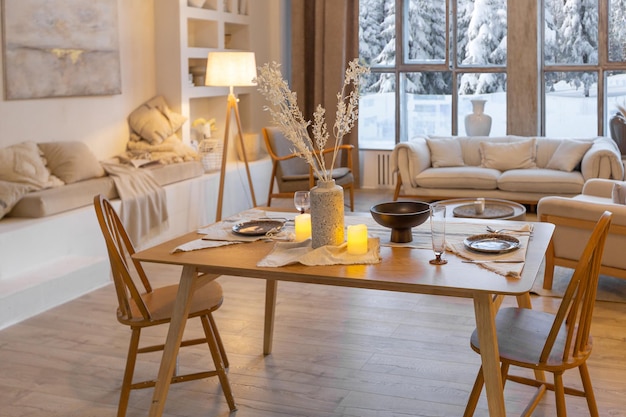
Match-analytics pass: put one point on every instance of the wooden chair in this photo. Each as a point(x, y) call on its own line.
point(141, 306)
point(553, 343)
point(291, 173)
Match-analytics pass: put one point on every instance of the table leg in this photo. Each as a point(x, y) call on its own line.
point(271, 287)
point(172, 343)
point(485, 312)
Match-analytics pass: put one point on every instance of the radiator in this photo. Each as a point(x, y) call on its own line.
point(376, 170)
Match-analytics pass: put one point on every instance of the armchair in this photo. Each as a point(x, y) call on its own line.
point(574, 219)
point(291, 173)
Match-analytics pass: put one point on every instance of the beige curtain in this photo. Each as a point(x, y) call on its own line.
point(324, 40)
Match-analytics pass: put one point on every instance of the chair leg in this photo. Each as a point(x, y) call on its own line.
point(559, 395)
point(218, 339)
point(589, 396)
point(210, 334)
point(548, 275)
point(131, 359)
point(352, 197)
point(472, 402)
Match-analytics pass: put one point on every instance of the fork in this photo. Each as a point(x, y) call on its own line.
point(492, 230)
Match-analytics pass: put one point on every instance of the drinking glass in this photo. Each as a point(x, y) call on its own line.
point(438, 231)
point(302, 201)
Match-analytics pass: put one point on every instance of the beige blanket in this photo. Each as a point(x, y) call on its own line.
point(144, 206)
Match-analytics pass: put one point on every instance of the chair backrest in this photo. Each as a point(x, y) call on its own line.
point(279, 146)
point(576, 308)
point(120, 248)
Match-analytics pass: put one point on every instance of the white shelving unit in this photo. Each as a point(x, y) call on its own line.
point(184, 36)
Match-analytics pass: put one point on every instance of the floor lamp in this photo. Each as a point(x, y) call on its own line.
point(231, 69)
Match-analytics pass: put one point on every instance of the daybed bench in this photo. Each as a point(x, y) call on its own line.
point(52, 248)
point(522, 169)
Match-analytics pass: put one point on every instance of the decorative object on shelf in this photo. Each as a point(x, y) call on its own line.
point(327, 197)
point(327, 225)
point(478, 123)
point(211, 151)
point(202, 129)
point(196, 3)
point(231, 69)
point(618, 129)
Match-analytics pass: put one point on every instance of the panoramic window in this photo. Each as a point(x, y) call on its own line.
point(426, 69)
point(584, 74)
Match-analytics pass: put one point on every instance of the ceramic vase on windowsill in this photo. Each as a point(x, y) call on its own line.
point(478, 123)
point(327, 216)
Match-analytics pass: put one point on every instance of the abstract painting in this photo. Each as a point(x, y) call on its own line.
point(60, 48)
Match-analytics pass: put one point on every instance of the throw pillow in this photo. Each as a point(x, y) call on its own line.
point(511, 155)
point(618, 193)
point(22, 163)
point(445, 153)
point(71, 161)
point(568, 155)
point(10, 194)
point(154, 121)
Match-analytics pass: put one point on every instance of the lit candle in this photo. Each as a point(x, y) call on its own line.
point(479, 205)
point(303, 227)
point(357, 239)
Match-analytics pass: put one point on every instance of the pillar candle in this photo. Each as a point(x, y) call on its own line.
point(357, 239)
point(303, 227)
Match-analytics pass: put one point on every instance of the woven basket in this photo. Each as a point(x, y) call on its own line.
point(211, 154)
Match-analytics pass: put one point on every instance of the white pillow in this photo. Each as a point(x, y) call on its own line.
point(22, 163)
point(568, 155)
point(154, 121)
point(445, 152)
point(511, 155)
point(618, 194)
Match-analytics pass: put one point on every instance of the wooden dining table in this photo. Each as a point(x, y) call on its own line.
point(402, 269)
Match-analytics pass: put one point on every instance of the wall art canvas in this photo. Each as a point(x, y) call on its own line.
point(60, 48)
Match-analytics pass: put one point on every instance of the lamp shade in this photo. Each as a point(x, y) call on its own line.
point(230, 69)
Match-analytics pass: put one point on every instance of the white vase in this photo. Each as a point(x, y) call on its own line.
point(478, 123)
point(327, 216)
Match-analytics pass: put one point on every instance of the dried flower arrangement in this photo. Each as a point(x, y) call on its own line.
point(289, 119)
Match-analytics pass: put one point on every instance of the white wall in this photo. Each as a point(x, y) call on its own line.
point(99, 121)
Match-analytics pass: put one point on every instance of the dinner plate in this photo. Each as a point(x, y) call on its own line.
point(492, 243)
point(258, 227)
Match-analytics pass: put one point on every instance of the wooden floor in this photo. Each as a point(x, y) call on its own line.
point(337, 352)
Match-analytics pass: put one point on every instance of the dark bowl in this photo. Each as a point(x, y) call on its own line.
point(401, 216)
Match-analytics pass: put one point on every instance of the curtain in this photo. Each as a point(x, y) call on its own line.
point(324, 40)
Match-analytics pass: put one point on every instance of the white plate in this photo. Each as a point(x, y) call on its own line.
point(258, 227)
point(492, 243)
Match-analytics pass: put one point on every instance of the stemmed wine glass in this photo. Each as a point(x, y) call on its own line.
point(302, 201)
point(438, 230)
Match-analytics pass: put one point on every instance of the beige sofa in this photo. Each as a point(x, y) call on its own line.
point(522, 169)
point(575, 218)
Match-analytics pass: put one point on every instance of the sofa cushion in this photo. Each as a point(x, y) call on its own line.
point(541, 181)
point(59, 199)
point(568, 155)
point(506, 156)
point(445, 153)
point(71, 161)
point(22, 163)
point(154, 121)
point(618, 193)
point(171, 173)
point(458, 177)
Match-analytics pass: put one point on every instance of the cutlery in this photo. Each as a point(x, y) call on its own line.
point(499, 261)
point(492, 230)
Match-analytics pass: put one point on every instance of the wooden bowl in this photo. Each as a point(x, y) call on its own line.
point(400, 217)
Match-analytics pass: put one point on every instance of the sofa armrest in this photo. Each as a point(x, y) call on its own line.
point(602, 160)
point(410, 158)
point(580, 209)
point(600, 187)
